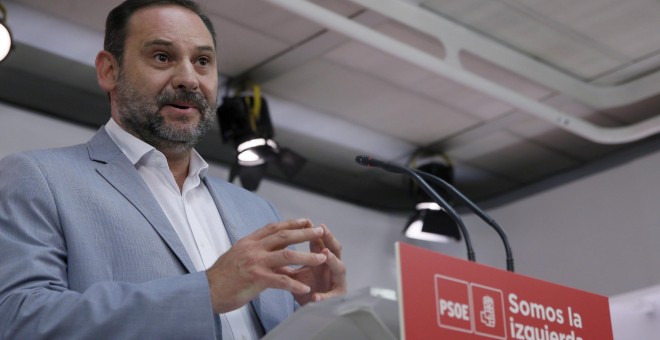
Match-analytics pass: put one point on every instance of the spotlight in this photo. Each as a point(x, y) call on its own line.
point(256, 151)
point(430, 222)
point(5, 34)
point(245, 122)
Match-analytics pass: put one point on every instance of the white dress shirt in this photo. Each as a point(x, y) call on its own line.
point(193, 214)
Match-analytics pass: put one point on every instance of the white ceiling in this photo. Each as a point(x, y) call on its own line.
point(333, 96)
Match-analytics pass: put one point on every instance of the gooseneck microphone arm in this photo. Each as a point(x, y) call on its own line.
point(371, 162)
point(475, 209)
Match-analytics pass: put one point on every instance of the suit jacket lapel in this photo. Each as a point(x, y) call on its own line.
point(122, 175)
point(269, 304)
point(226, 207)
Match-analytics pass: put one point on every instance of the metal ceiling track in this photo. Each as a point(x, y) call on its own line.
point(456, 38)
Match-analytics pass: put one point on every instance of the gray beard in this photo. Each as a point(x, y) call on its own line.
point(142, 118)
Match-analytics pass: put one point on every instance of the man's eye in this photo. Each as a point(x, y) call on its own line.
point(161, 57)
point(203, 61)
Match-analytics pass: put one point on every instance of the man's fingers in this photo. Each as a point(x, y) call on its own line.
point(284, 282)
point(337, 268)
point(287, 237)
point(286, 270)
point(338, 278)
point(273, 228)
point(331, 242)
point(317, 245)
point(278, 280)
point(324, 296)
point(288, 257)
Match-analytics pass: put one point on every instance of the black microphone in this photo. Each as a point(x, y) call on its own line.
point(372, 162)
point(475, 209)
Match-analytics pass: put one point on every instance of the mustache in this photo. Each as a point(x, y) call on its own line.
point(194, 98)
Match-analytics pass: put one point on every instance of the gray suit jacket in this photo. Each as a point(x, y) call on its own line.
point(87, 253)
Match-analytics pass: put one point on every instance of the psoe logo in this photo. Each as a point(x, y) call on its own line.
point(469, 307)
point(488, 313)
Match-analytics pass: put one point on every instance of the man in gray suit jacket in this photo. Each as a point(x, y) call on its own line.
point(126, 237)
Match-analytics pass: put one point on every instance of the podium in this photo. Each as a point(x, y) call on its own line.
point(366, 314)
point(442, 297)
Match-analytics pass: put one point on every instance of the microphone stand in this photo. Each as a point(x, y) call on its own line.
point(368, 161)
point(478, 211)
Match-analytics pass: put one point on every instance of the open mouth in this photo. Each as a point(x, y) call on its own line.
point(180, 106)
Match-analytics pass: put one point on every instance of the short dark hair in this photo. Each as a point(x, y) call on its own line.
point(117, 21)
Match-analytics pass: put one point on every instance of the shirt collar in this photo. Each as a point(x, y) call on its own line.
point(135, 149)
point(198, 166)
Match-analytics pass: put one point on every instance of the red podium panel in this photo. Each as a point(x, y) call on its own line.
point(442, 297)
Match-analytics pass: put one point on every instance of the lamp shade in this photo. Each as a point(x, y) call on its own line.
point(432, 223)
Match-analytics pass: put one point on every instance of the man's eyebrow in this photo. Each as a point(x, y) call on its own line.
point(206, 48)
point(167, 43)
point(155, 42)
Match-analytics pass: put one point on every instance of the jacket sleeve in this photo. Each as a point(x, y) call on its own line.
point(35, 299)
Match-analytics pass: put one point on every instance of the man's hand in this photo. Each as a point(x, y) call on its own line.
point(255, 263)
point(325, 280)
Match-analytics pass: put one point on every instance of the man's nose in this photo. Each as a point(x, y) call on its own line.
point(185, 77)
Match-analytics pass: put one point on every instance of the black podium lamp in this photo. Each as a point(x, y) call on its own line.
point(430, 222)
point(245, 122)
point(5, 34)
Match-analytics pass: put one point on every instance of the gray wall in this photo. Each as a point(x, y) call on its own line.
point(599, 233)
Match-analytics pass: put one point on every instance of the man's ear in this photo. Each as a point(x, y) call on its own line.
point(106, 71)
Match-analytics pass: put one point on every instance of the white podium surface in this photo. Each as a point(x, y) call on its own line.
point(369, 313)
point(636, 314)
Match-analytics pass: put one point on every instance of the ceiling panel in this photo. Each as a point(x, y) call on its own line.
point(478, 183)
point(540, 162)
point(412, 37)
point(380, 65)
point(534, 34)
point(631, 71)
point(512, 80)
point(572, 146)
point(326, 86)
point(272, 20)
point(368, 101)
point(636, 112)
point(409, 117)
point(240, 48)
point(87, 13)
point(500, 153)
point(612, 23)
point(530, 126)
point(569, 145)
point(462, 98)
point(483, 145)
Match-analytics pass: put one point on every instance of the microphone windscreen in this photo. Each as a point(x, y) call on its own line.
point(363, 160)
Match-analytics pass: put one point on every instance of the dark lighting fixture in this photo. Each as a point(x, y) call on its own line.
point(5, 34)
point(430, 222)
point(245, 122)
